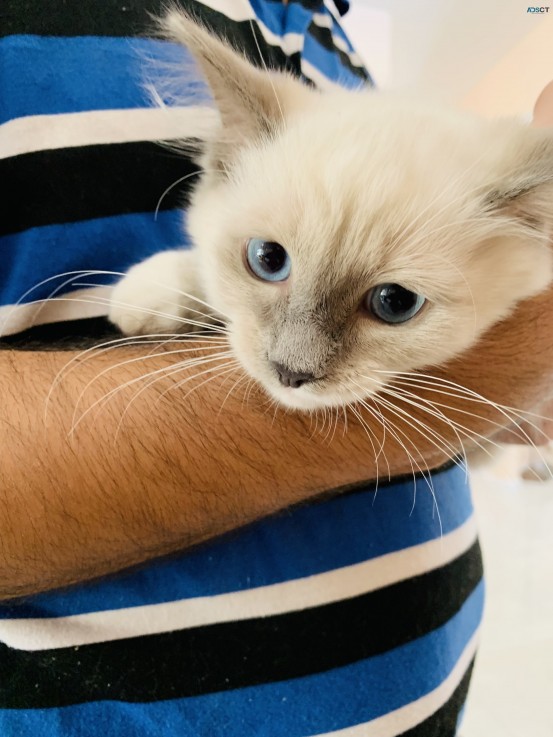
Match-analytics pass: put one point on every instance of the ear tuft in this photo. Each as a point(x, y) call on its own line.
point(252, 102)
point(525, 193)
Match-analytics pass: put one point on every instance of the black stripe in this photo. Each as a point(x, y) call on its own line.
point(67, 335)
point(85, 182)
point(443, 723)
point(82, 18)
point(248, 39)
point(243, 653)
point(134, 18)
point(323, 36)
point(369, 485)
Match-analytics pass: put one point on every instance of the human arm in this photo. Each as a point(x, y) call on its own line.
point(540, 429)
point(174, 472)
point(189, 468)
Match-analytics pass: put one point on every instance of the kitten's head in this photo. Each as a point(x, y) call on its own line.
point(349, 233)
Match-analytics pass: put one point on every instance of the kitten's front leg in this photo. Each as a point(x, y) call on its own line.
point(158, 296)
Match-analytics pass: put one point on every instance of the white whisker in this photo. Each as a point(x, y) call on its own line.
point(176, 370)
point(61, 275)
point(233, 365)
point(368, 431)
point(366, 406)
point(402, 414)
point(430, 382)
point(138, 308)
point(112, 392)
point(154, 339)
point(469, 395)
point(237, 383)
point(408, 398)
point(170, 187)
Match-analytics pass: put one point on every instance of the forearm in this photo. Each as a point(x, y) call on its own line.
point(177, 471)
point(492, 390)
point(169, 474)
point(512, 364)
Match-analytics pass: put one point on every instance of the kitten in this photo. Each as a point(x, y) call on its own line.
point(343, 233)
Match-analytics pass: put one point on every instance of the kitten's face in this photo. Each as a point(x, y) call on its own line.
point(356, 205)
point(360, 191)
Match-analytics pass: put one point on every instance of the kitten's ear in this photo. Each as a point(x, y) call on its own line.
point(251, 102)
point(525, 192)
point(521, 205)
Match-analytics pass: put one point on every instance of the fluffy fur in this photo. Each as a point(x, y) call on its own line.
point(361, 188)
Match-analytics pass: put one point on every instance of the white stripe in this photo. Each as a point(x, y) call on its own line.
point(240, 11)
point(290, 43)
point(409, 716)
point(318, 78)
point(325, 21)
point(74, 305)
point(44, 132)
point(332, 9)
point(354, 58)
point(97, 127)
point(263, 601)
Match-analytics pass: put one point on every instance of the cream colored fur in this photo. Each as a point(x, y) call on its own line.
point(361, 188)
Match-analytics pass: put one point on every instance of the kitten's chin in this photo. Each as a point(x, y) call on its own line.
point(304, 399)
point(298, 399)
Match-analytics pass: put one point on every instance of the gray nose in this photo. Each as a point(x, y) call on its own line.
point(287, 377)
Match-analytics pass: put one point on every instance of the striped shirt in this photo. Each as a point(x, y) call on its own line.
point(356, 615)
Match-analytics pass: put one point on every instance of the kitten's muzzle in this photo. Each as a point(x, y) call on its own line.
point(292, 379)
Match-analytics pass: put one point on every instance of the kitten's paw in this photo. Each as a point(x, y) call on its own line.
point(157, 296)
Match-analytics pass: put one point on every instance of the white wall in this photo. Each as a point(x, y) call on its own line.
point(447, 48)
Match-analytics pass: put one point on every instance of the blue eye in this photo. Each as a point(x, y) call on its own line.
point(393, 303)
point(268, 260)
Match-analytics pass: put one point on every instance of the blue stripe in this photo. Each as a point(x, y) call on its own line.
point(337, 30)
point(281, 19)
point(294, 18)
point(316, 704)
point(318, 538)
point(328, 62)
point(49, 75)
point(112, 243)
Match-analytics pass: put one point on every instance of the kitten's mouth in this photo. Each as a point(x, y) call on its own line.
point(296, 398)
point(291, 379)
point(297, 390)
point(308, 393)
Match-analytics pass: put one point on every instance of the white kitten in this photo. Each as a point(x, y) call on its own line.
point(347, 232)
